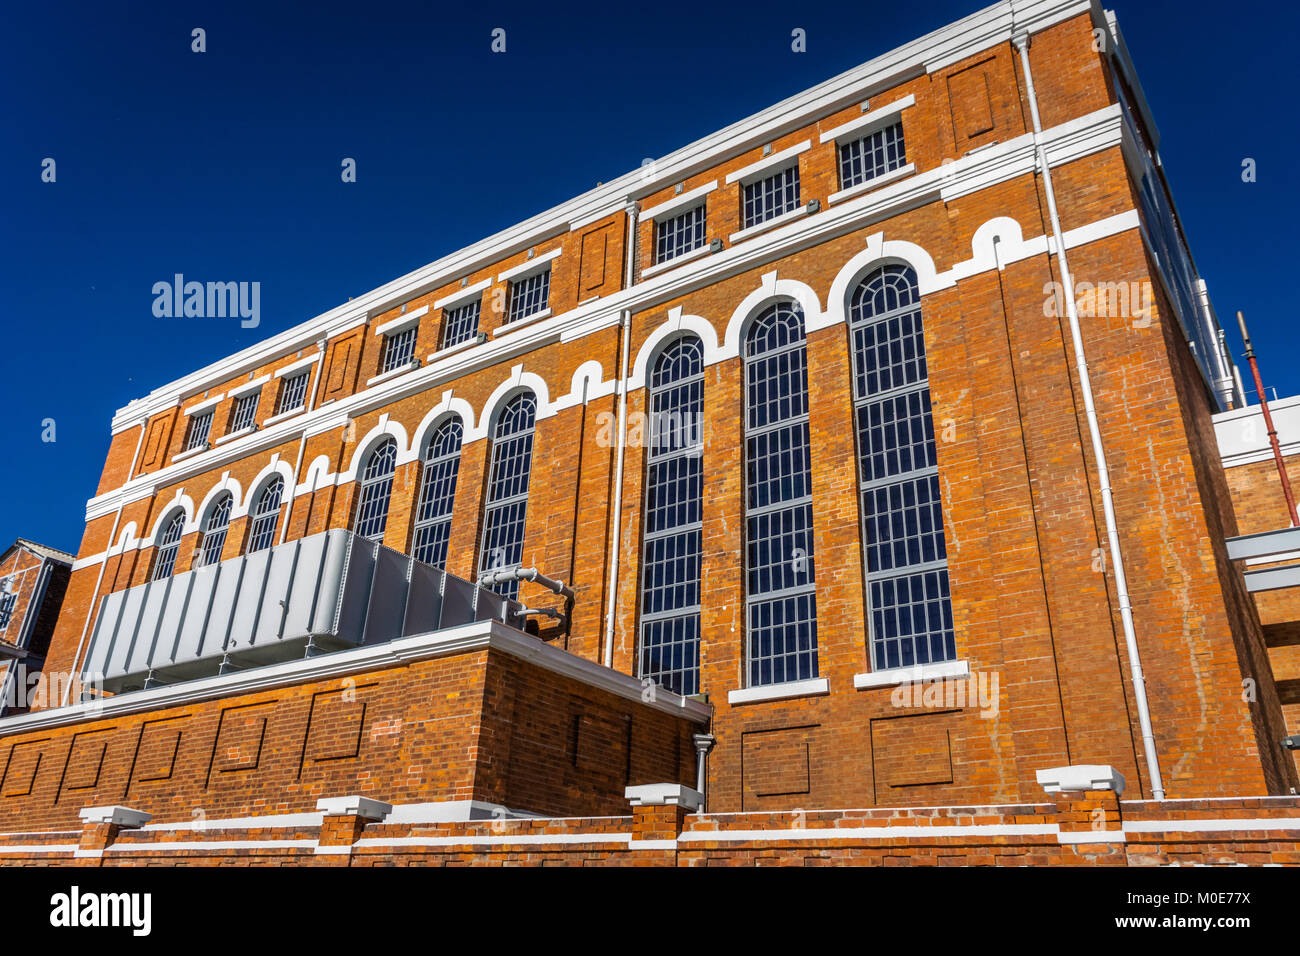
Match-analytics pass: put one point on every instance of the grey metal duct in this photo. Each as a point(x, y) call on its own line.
point(313, 595)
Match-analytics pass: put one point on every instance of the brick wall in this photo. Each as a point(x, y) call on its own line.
point(1071, 829)
point(480, 725)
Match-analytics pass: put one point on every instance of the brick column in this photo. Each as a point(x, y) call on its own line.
point(658, 815)
point(344, 820)
point(101, 825)
point(1088, 812)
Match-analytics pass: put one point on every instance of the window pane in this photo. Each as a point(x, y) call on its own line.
point(673, 538)
point(670, 653)
point(214, 532)
point(244, 414)
point(680, 234)
point(905, 554)
point(873, 155)
point(399, 350)
point(460, 324)
point(437, 494)
point(265, 514)
point(780, 568)
point(376, 489)
point(169, 543)
point(200, 428)
point(771, 197)
point(507, 500)
point(529, 295)
point(293, 392)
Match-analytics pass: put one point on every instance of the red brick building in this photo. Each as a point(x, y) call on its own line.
point(33, 579)
point(868, 446)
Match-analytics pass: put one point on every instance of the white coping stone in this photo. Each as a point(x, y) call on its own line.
point(354, 806)
point(116, 815)
point(1081, 777)
point(664, 795)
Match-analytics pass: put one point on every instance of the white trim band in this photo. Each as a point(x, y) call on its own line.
point(747, 174)
point(816, 687)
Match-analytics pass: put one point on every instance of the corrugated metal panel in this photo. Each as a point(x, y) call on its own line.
point(320, 593)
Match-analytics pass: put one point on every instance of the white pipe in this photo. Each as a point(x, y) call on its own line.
point(1094, 431)
point(99, 579)
point(287, 504)
point(626, 321)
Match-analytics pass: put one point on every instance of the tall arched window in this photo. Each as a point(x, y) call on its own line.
point(214, 530)
point(376, 489)
point(670, 566)
point(437, 494)
point(507, 496)
point(169, 543)
point(266, 513)
point(781, 600)
point(908, 601)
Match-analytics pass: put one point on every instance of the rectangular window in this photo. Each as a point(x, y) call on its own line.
point(679, 235)
point(200, 427)
point(873, 155)
point(244, 414)
point(293, 392)
point(7, 602)
point(771, 197)
point(529, 295)
point(399, 349)
point(460, 324)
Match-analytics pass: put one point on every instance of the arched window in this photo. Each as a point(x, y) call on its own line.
point(266, 513)
point(781, 603)
point(507, 495)
point(909, 607)
point(670, 566)
point(214, 531)
point(169, 542)
point(376, 489)
point(437, 494)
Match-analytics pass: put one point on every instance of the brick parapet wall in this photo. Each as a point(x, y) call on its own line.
point(478, 725)
point(1065, 830)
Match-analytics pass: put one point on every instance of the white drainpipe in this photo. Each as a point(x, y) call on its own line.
point(99, 579)
point(1094, 431)
point(625, 320)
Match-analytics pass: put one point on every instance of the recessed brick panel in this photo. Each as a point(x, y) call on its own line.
point(86, 761)
point(155, 757)
point(336, 726)
point(23, 763)
point(911, 751)
point(778, 762)
point(240, 739)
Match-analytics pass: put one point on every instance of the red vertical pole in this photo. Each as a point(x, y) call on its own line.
point(1268, 421)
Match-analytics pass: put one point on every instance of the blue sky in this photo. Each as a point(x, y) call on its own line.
point(225, 165)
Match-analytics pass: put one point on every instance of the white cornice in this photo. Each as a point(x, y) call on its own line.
point(468, 638)
point(204, 405)
point(462, 296)
point(768, 164)
point(984, 29)
point(869, 121)
point(297, 366)
point(679, 202)
point(402, 321)
point(253, 385)
point(532, 266)
point(969, 174)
